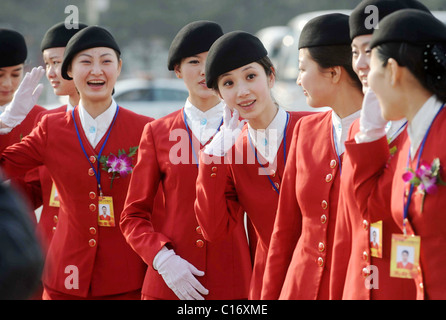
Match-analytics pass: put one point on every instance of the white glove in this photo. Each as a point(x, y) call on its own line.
point(179, 275)
point(372, 125)
point(24, 99)
point(228, 134)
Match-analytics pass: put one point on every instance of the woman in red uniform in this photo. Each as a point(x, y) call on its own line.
point(53, 48)
point(363, 213)
point(18, 121)
point(408, 75)
point(224, 185)
point(182, 265)
point(299, 256)
point(88, 258)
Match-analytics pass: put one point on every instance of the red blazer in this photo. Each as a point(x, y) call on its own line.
point(49, 215)
point(430, 224)
point(26, 183)
point(359, 206)
point(299, 257)
point(226, 262)
point(225, 192)
point(106, 264)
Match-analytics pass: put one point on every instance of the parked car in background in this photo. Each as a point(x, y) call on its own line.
point(154, 98)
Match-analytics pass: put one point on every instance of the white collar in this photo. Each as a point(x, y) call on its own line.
point(203, 125)
point(421, 122)
point(70, 107)
point(394, 128)
point(342, 127)
point(96, 128)
point(267, 141)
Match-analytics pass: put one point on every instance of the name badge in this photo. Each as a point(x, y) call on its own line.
point(54, 197)
point(405, 256)
point(376, 239)
point(106, 216)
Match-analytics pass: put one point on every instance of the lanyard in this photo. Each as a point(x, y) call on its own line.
point(407, 203)
point(396, 133)
point(337, 150)
point(284, 152)
point(97, 172)
point(190, 136)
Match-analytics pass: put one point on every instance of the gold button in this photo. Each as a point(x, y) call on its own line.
point(91, 172)
point(213, 175)
point(323, 219)
point(214, 169)
point(92, 159)
point(54, 229)
point(321, 247)
point(365, 225)
point(365, 256)
point(92, 243)
point(320, 262)
point(328, 177)
point(92, 207)
point(199, 243)
point(273, 173)
point(324, 204)
point(198, 229)
point(92, 195)
point(55, 219)
point(92, 230)
point(421, 285)
point(365, 272)
point(333, 164)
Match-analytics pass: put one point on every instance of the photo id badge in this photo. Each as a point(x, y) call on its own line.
point(405, 255)
point(106, 216)
point(376, 239)
point(54, 197)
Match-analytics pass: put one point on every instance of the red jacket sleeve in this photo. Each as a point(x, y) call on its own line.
point(287, 228)
point(216, 205)
point(136, 224)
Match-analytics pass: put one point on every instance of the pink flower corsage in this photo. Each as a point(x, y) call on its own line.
point(118, 166)
point(426, 178)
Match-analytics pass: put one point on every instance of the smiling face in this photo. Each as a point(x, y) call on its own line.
point(94, 72)
point(361, 58)
point(192, 71)
point(247, 89)
point(380, 81)
point(10, 78)
point(315, 81)
point(53, 58)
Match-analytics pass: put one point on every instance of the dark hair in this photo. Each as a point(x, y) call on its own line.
point(426, 62)
point(265, 62)
point(337, 55)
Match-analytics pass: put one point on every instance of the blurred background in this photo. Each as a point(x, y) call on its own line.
point(145, 28)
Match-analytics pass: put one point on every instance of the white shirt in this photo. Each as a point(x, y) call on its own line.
point(96, 128)
point(341, 128)
point(421, 122)
point(267, 141)
point(203, 125)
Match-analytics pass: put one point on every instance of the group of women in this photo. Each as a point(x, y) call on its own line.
point(233, 197)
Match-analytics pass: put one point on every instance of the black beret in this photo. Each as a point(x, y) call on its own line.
point(411, 26)
point(359, 15)
point(231, 51)
point(13, 50)
point(194, 38)
point(89, 37)
point(58, 36)
point(325, 30)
